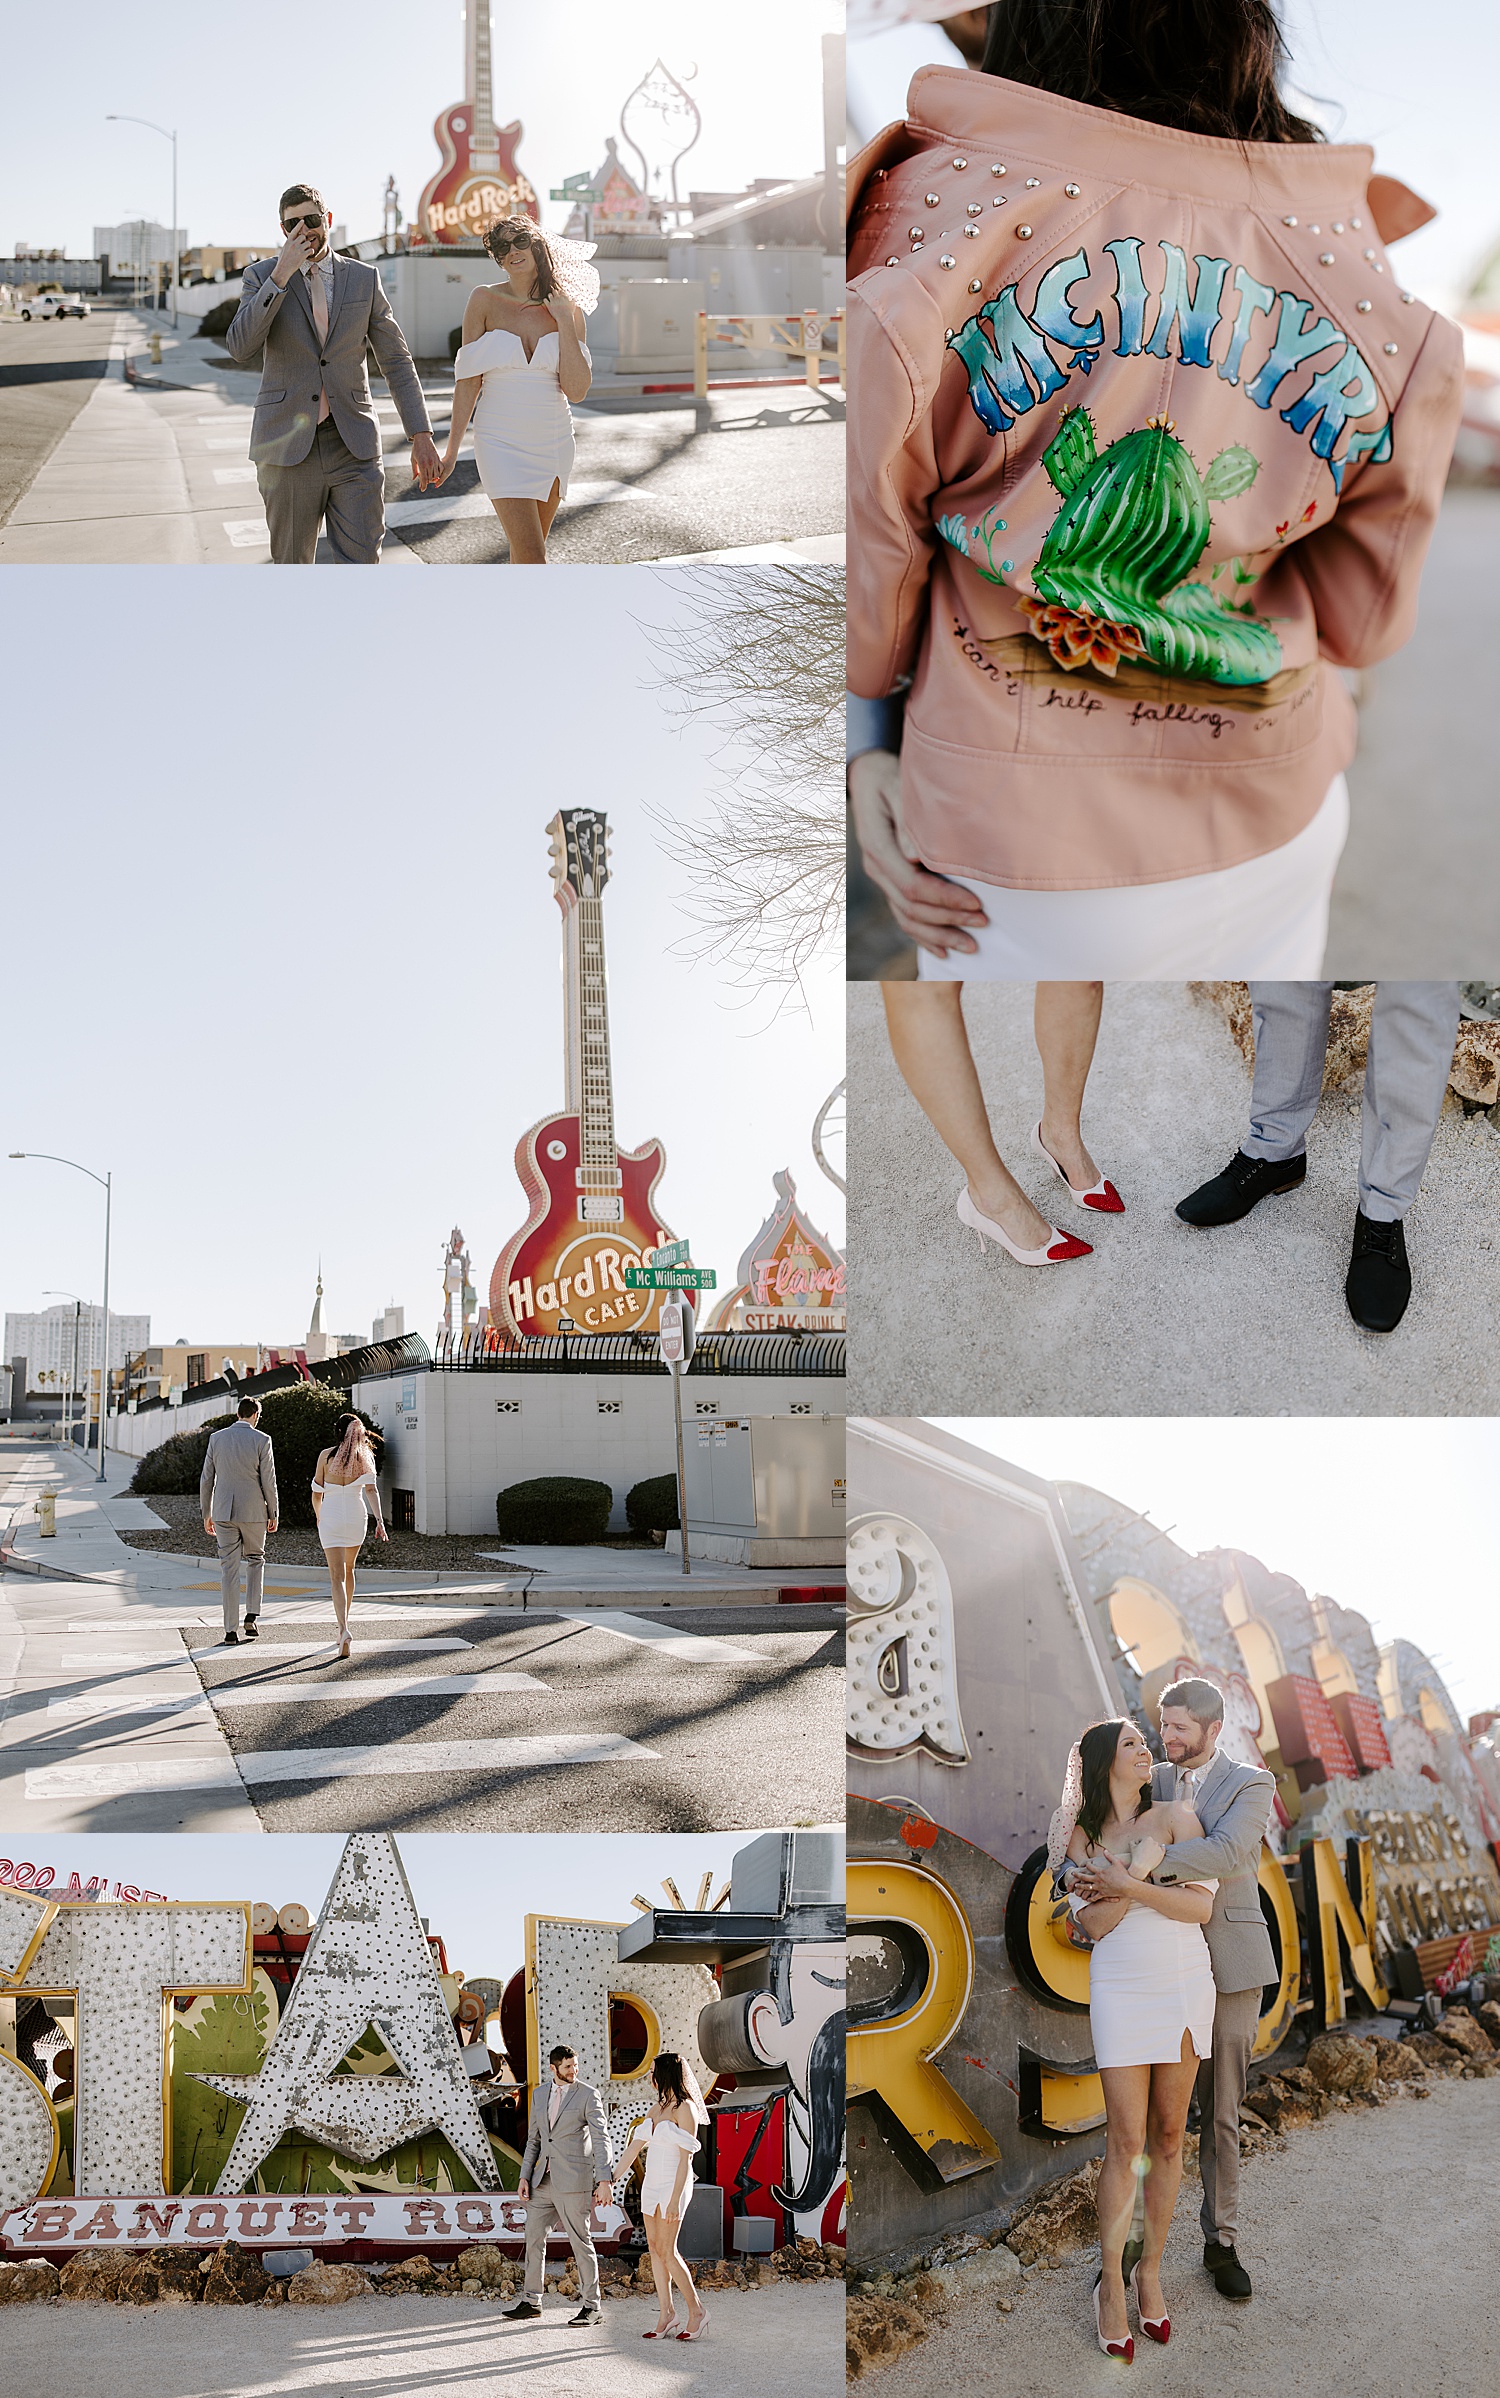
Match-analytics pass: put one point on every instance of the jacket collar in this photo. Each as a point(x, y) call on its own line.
point(1018, 125)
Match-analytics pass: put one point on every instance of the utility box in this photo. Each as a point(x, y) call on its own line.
point(765, 1490)
point(702, 2234)
point(429, 290)
point(658, 322)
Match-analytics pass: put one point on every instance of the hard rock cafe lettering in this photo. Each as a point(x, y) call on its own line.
point(479, 179)
point(593, 1204)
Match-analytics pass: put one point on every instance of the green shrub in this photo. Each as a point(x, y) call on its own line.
point(301, 1421)
point(560, 1509)
point(218, 320)
point(652, 1505)
point(176, 1464)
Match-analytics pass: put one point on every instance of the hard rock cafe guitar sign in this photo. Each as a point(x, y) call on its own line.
point(593, 1210)
point(479, 179)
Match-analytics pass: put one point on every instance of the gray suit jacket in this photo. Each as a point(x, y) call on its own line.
point(574, 2151)
point(1234, 1807)
point(238, 1483)
point(278, 327)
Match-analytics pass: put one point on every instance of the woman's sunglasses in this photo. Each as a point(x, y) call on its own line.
point(509, 241)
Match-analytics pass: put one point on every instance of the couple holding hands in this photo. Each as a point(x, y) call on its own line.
point(310, 319)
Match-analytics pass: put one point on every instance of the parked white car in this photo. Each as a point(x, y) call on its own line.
point(41, 304)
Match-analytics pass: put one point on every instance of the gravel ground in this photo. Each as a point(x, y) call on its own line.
point(1162, 1320)
point(759, 2344)
point(1371, 2241)
point(405, 1553)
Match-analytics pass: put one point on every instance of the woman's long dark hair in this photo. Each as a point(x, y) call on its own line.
point(546, 272)
point(1205, 66)
point(1096, 1752)
point(667, 2075)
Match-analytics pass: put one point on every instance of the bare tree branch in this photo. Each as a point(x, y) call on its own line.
point(759, 656)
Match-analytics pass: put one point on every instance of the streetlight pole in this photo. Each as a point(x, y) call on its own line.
point(115, 119)
point(104, 1181)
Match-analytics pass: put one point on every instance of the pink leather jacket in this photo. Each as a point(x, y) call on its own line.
point(1146, 439)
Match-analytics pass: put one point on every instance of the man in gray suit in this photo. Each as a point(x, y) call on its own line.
point(1233, 1804)
point(237, 1493)
point(1412, 1031)
point(315, 438)
point(564, 2174)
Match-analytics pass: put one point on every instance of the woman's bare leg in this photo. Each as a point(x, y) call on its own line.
point(1067, 1026)
point(522, 520)
point(679, 2274)
point(548, 509)
point(931, 1047)
point(1127, 2090)
point(1166, 2114)
point(660, 2270)
point(341, 1574)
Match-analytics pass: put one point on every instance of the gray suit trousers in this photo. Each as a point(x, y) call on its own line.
point(1411, 1049)
point(330, 482)
point(572, 2209)
point(1221, 2091)
point(236, 1541)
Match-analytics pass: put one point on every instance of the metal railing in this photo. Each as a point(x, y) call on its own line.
point(811, 1355)
point(799, 337)
point(340, 1373)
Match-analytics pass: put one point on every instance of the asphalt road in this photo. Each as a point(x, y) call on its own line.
point(693, 1740)
point(47, 371)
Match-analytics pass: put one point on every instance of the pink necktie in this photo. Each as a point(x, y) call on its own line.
point(320, 319)
point(554, 2105)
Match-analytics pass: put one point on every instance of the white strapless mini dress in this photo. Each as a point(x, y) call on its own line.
point(1150, 1980)
point(342, 1519)
point(522, 425)
point(663, 2149)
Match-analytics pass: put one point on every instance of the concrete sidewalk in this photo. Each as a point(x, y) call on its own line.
point(1162, 1319)
point(759, 2344)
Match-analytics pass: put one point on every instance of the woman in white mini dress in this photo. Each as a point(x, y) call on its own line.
point(1151, 2007)
point(669, 2138)
point(523, 359)
point(345, 1494)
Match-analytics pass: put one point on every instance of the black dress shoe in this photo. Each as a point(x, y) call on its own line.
point(522, 2312)
point(1378, 1283)
point(586, 2314)
point(1244, 1182)
point(231, 1640)
point(252, 1627)
point(1230, 2278)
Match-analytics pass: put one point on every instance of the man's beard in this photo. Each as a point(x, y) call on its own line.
point(824, 2112)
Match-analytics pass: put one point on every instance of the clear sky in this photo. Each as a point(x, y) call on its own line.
point(346, 97)
point(1392, 1515)
point(476, 1889)
point(289, 966)
point(1421, 88)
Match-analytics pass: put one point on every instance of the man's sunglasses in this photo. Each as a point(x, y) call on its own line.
point(289, 224)
point(510, 241)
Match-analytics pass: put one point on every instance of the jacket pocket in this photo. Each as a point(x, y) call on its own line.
point(1243, 1915)
point(263, 399)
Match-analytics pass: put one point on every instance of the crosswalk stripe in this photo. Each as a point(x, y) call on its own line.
point(85, 1707)
point(698, 1648)
point(321, 1648)
point(108, 1777)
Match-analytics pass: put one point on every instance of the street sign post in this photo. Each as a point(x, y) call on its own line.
point(671, 1278)
point(671, 1253)
point(675, 1334)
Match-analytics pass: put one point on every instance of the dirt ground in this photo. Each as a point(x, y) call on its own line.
point(1371, 2240)
point(406, 1552)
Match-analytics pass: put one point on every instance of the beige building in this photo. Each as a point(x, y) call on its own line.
point(182, 1365)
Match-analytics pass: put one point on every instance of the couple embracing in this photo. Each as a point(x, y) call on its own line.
point(1158, 1864)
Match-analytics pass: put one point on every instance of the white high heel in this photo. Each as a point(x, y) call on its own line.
point(1123, 2349)
point(1101, 1196)
point(1054, 1251)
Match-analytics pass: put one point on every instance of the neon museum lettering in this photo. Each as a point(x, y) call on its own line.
point(1001, 346)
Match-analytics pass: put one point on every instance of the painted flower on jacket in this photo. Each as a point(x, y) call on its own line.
point(956, 532)
point(1076, 637)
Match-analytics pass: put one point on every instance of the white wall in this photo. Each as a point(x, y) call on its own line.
point(466, 1437)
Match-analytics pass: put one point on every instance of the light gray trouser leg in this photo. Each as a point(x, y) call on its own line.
point(330, 483)
point(572, 2209)
point(237, 1541)
point(1291, 1044)
point(1412, 1033)
point(1221, 2088)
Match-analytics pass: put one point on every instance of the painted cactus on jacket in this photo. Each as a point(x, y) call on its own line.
point(1133, 524)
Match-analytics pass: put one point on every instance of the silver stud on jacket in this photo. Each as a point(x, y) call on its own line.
point(1390, 349)
point(976, 285)
point(1072, 190)
point(974, 209)
point(997, 170)
point(947, 261)
point(960, 164)
point(1289, 220)
point(1325, 258)
point(1033, 183)
point(1364, 306)
point(1023, 233)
